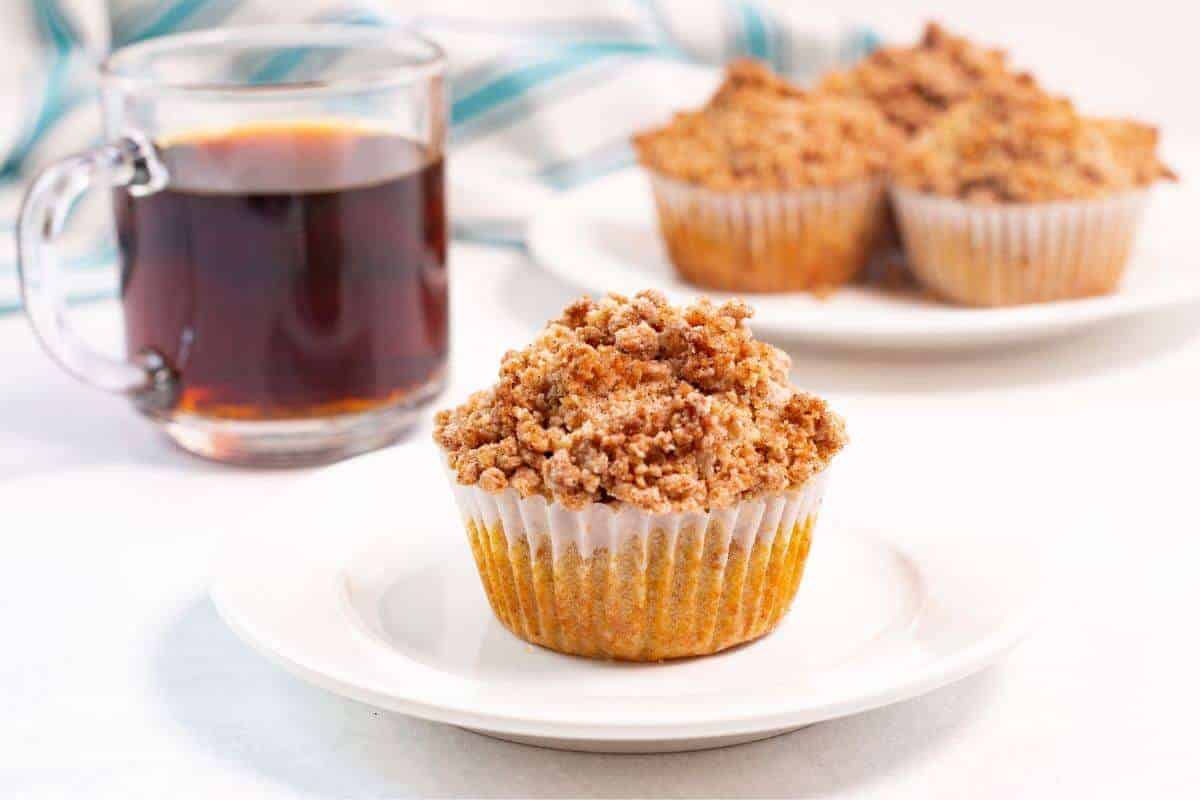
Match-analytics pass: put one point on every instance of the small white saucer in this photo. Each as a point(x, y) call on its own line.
point(603, 237)
point(360, 581)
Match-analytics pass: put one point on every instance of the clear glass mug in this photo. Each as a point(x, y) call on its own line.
point(279, 203)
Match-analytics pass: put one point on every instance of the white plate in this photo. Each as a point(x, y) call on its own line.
point(602, 237)
point(360, 581)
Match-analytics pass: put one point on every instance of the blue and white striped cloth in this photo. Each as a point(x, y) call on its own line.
point(543, 95)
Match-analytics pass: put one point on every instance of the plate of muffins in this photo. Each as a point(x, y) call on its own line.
point(927, 195)
point(622, 545)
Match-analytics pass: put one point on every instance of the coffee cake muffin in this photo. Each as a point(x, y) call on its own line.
point(915, 85)
point(1018, 198)
point(912, 86)
point(642, 482)
point(769, 188)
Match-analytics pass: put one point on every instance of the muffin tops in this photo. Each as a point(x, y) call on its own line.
point(914, 85)
point(1028, 147)
point(760, 132)
point(636, 401)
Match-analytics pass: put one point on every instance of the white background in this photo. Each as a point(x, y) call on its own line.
point(118, 680)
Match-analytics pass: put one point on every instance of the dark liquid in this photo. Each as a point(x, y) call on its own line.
point(289, 271)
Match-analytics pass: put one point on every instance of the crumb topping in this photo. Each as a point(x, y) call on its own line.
point(751, 84)
point(1029, 147)
point(633, 400)
point(914, 85)
point(761, 132)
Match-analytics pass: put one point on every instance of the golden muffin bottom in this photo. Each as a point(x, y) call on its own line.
point(1005, 255)
point(661, 596)
point(810, 239)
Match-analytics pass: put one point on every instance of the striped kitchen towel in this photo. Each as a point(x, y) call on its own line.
point(543, 95)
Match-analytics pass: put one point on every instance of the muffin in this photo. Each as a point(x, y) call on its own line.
point(642, 482)
point(912, 86)
point(1017, 198)
point(915, 85)
point(769, 188)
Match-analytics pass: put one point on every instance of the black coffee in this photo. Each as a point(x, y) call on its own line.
point(289, 271)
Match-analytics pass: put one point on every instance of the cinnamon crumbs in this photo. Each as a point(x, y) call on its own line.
point(760, 132)
point(1029, 147)
point(914, 85)
point(637, 401)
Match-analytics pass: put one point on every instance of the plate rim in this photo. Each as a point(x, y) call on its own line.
point(966, 663)
point(749, 716)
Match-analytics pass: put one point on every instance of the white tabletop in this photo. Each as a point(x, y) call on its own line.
point(119, 680)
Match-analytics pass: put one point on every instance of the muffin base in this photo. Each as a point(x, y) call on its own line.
point(1013, 255)
point(668, 595)
point(797, 240)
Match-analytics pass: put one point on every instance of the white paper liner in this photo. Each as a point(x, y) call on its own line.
point(769, 241)
point(995, 255)
point(609, 526)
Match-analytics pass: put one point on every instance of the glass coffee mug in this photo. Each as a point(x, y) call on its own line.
point(279, 203)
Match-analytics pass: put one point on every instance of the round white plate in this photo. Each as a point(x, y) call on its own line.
point(603, 237)
point(361, 581)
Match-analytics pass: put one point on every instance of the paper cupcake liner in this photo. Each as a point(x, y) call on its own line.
point(628, 584)
point(780, 241)
point(1000, 255)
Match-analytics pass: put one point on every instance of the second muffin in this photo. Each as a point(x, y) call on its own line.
point(769, 188)
point(1017, 198)
point(642, 481)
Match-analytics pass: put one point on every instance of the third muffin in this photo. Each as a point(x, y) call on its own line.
point(915, 85)
point(769, 188)
point(1017, 198)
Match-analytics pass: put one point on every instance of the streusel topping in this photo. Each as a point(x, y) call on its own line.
point(1029, 147)
point(752, 85)
point(759, 132)
point(633, 400)
point(912, 86)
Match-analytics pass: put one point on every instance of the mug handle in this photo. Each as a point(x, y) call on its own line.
point(130, 162)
